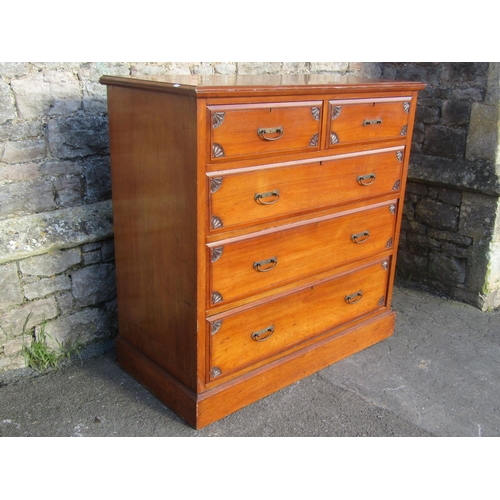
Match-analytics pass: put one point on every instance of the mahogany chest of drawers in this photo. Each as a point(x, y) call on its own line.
point(256, 227)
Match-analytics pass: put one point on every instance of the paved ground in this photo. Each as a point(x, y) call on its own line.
point(438, 375)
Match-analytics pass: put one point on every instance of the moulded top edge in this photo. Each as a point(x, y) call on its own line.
point(224, 85)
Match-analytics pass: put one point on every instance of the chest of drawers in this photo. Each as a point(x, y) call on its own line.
point(256, 226)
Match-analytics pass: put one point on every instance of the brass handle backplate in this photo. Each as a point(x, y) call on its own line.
point(263, 334)
point(262, 133)
point(360, 237)
point(366, 180)
point(377, 121)
point(259, 197)
point(260, 266)
point(355, 297)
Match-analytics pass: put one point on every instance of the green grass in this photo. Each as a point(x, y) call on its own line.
point(39, 356)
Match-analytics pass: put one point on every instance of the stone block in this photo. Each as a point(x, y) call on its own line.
point(17, 131)
point(10, 286)
point(14, 346)
point(7, 107)
point(22, 151)
point(482, 140)
point(28, 315)
point(437, 214)
point(44, 287)
point(94, 284)
point(49, 93)
point(66, 228)
point(21, 172)
point(445, 141)
point(259, 68)
point(78, 135)
point(14, 69)
point(82, 327)
point(446, 269)
point(97, 180)
point(225, 69)
point(26, 197)
point(456, 112)
point(51, 263)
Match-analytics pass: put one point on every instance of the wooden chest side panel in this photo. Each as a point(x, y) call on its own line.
point(153, 151)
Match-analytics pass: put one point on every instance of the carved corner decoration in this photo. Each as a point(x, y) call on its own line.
point(381, 302)
point(216, 371)
point(336, 111)
point(399, 155)
point(218, 118)
point(314, 140)
point(215, 184)
point(216, 326)
point(397, 185)
point(216, 297)
point(406, 106)
point(404, 130)
point(217, 150)
point(216, 222)
point(216, 253)
point(392, 208)
point(334, 138)
point(316, 112)
point(385, 265)
point(389, 243)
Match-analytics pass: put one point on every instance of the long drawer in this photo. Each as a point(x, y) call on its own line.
point(242, 338)
point(358, 120)
point(264, 193)
point(249, 130)
point(242, 266)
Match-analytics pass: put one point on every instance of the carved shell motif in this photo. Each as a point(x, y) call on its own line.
point(336, 112)
point(334, 139)
point(215, 184)
point(316, 112)
point(217, 150)
point(404, 130)
point(406, 106)
point(314, 140)
point(217, 119)
point(399, 155)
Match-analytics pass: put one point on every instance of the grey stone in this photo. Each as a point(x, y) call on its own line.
point(437, 214)
point(65, 302)
point(7, 108)
point(52, 92)
point(478, 214)
point(18, 131)
point(456, 112)
point(225, 69)
point(69, 191)
point(28, 315)
point(66, 228)
point(451, 196)
point(64, 167)
point(92, 257)
point(51, 263)
point(14, 69)
point(98, 180)
point(329, 67)
point(14, 346)
point(94, 284)
point(253, 68)
point(10, 286)
point(446, 269)
point(81, 327)
point(22, 151)
point(29, 197)
point(482, 140)
point(108, 250)
point(445, 141)
point(21, 172)
point(45, 287)
point(78, 135)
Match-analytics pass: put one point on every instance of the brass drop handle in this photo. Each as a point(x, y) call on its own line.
point(360, 237)
point(366, 180)
point(377, 121)
point(262, 133)
point(263, 334)
point(260, 197)
point(355, 297)
point(270, 263)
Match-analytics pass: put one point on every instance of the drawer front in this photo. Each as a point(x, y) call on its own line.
point(256, 195)
point(360, 120)
point(248, 130)
point(246, 265)
point(246, 337)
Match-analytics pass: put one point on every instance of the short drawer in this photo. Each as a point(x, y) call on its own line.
point(243, 338)
point(361, 120)
point(249, 130)
point(265, 193)
point(242, 266)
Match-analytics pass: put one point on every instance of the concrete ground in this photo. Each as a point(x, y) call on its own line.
point(438, 375)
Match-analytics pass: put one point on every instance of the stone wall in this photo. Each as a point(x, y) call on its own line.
point(56, 231)
point(450, 239)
